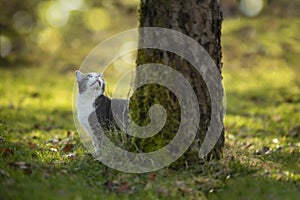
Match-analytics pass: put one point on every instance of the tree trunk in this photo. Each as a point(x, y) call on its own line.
point(200, 20)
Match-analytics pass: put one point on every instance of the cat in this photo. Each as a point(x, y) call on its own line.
point(95, 112)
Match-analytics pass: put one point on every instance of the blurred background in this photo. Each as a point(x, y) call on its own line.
point(62, 32)
point(59, 34)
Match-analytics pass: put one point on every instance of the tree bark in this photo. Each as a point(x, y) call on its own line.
point(200, 20)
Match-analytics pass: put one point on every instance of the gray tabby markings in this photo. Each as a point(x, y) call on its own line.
point(82, 84)
point(104, 116)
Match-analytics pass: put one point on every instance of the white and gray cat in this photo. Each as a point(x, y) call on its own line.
point(95, 109)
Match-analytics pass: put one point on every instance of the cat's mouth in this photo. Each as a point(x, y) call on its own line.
point(96, 81)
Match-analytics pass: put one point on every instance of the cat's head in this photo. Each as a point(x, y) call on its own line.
point(90, 82)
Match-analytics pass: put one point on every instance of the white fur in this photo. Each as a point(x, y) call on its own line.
point(85, 108)
point(86, 99)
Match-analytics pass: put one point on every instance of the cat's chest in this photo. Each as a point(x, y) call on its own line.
point(84, 111)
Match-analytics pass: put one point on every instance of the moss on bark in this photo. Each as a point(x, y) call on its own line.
point(200, 20)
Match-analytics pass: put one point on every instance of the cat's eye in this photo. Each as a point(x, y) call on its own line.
point(89, 76)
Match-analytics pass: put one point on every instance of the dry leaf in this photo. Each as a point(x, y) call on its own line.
point(185, 190)
point(180, 184)
point(163, 191)
point(6, 152)
point(151, 177)
point(32, 145)
point(26, 167)
point(55, 140)
point(53, 149)
point(67, 147)
point(70, 134)
point(123, 187)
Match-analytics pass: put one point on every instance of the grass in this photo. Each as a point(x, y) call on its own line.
point(42, 156)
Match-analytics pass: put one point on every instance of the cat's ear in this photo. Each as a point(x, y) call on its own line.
point(79, 75)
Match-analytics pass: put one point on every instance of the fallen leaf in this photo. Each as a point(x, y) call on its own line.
point(70, 134)
point(72, 156)
point(67, 147)
point(112, 185)
point(293, 150)
point(119, 187)
point(163, 191)
point(202, 181)
point(6, 152)
point(53, 149)
point(55, 140)
point(185, 190)
point(123, 187)
point(26, 167)
point(277, 118)
point(265, 150)
point(63, 171)
point(32, 145)
point(180, 184)
point(151, 177)
point(275, 141)
point(20, 164)
point(223, 173)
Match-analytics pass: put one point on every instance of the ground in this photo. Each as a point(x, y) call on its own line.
point(42, 156)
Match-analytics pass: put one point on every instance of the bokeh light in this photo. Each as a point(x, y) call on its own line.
point(49, 40)
point(251, 8)
point(56, 15)
point(70, 5)
point(5, 46)
point(23, 22)
point(130, 2)
point(97, 19)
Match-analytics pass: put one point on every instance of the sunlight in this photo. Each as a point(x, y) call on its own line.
point(251, 8)
point(130, 2)
point(97, 19)
point(70, 5)
point(23, 22)
point(56, 15)
point(49, 40)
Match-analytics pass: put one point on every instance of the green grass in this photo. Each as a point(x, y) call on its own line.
point(42, 157)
